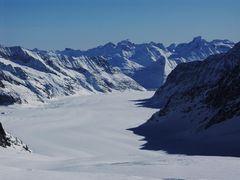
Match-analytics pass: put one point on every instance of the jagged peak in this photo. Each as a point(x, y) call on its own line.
point(197, 38)
point(159, 45)
point(126, 42)
point(35, 49)
point(69, 49)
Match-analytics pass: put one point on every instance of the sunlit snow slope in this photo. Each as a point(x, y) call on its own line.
point(34, 75)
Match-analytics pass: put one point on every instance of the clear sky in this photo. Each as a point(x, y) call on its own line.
point(81, 24)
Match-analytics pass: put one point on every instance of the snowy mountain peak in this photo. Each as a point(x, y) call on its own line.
point(200, 49)
point(110, 45)
point(125, 42)
point(198, 39)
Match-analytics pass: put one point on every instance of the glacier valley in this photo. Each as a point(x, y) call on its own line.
point(86, 137)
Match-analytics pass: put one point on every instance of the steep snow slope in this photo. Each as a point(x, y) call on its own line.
point(86, 138)
point(27, 75)
point(200, 108)
point(150, 63)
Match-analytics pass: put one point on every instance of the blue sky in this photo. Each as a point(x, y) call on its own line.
point(81, 24)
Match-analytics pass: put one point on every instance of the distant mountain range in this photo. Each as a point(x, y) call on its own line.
point(34, 75)
point(199, 108)
point(150, 63)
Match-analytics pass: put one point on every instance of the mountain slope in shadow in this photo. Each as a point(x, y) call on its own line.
point(199, 109)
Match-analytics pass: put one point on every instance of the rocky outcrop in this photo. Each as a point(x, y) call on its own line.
point(8, 141)
point(6, 99)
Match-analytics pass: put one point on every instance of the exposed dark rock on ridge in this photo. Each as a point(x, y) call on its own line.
point(8, 141)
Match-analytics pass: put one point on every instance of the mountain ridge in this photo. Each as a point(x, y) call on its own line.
point(136, 60)
point(199, 108)
point(38, 74)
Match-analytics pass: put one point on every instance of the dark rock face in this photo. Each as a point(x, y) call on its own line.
point(225, 96)
point(1, 85)
point(3, 140)
point(8, 100)
point(2, 132)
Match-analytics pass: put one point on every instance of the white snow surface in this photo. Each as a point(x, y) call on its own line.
point(85, 137)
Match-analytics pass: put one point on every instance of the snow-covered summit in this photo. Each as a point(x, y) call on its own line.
point(200, 49)
point(126, 44)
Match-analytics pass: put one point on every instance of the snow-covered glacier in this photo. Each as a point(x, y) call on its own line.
point(88, 137)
